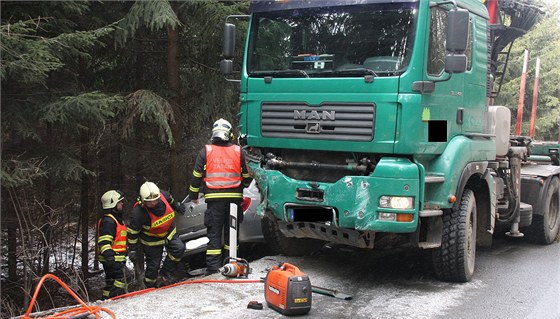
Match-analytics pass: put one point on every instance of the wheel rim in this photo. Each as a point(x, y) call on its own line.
point(552, 213)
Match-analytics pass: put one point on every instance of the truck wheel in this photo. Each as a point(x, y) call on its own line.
point(454, 260)
point(289, 246)
point(546, 224)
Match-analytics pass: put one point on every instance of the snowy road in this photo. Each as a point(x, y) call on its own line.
point(517, 280)
point(376, 295)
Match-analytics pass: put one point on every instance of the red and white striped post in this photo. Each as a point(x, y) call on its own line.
point(233, 224)
point(535, 95)
point(522, 94)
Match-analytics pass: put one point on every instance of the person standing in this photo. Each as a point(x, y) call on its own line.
point(111, 243)
point(152, 225)
point(221, 166)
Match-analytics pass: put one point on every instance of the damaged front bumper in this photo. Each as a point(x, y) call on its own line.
point(387, 200)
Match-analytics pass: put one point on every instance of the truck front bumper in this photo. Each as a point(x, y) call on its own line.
point(358, 202)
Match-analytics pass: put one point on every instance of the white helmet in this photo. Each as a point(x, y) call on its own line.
point(221, 130)
point(149, 192)
point(111, 198)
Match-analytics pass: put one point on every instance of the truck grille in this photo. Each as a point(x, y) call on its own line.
point(327, 121)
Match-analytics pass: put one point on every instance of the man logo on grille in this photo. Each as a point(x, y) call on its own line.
point(314, 115)
point(313, 128)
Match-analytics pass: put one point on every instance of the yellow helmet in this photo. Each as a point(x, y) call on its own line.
point(111, 198)
point(149, 192)
point(222, 130)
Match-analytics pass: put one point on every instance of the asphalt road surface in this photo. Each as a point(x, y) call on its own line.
point(520, 280)
point(514, 279)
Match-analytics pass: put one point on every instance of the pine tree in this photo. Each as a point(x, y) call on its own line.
point(46, 108)
point(93, 98)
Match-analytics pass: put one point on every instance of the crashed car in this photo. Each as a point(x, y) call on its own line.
point(192, 231)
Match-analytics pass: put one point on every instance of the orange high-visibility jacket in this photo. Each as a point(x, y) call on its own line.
point(118, 244)
point(223, 167)
point(160, 225)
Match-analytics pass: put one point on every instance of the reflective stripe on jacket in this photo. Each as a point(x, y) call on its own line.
point(223, 167)
point(118, 243)
point(160, 225)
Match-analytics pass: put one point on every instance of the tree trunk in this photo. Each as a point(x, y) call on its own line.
point(177, 189)
point(46, 228)
point(84, 202)
point(12, 247)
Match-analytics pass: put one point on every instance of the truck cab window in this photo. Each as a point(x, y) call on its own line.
point(338, 40)
point(274, 37)
point(468, 51)
point(436, 46)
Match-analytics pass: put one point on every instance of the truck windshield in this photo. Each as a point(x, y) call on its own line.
point(332, 41)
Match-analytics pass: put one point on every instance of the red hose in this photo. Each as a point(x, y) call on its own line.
point(93, 310)
point(197, 281)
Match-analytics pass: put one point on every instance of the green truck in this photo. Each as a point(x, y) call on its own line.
point(370, 123)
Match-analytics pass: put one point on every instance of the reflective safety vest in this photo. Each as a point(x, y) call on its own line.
point(119, 242)
point(160, 225)
point(223, 167)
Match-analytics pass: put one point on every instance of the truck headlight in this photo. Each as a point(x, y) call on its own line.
point(396, 202)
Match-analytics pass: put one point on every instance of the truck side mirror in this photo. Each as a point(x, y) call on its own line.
point(229, 41)
point(455, 63)
point(456, 42)
point(457, 30)
point(226, 66)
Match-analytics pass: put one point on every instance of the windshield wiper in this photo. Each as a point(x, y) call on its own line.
point(355, 71)
point(281, 73)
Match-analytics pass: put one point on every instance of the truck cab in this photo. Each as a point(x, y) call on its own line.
point(367, 123)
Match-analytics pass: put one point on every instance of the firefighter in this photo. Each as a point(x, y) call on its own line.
point(221, 165)
point(152, 225)
point(111, 243)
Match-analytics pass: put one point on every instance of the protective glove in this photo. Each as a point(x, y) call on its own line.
point(132, 256)
point(109, 255)
point(182, 209)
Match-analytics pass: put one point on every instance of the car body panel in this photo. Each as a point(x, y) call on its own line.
point(191, 225)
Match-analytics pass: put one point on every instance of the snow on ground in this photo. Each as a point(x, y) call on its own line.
point(374, 296)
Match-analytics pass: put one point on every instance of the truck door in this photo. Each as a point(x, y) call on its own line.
point(441, 108)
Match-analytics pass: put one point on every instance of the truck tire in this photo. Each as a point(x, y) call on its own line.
point(454, 260)
point(288, 246)
point(546, 224)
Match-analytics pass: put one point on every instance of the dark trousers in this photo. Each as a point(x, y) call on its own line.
point(114, 279)
point(153, 254)
point(217, 220)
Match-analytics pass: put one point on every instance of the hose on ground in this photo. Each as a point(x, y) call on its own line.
point(69, 313)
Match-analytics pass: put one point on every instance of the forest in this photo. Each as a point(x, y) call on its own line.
point(106, 95)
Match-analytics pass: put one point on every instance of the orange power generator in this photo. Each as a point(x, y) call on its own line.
point(288, 290)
